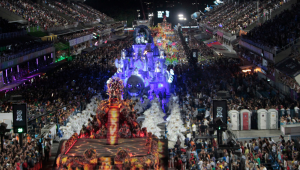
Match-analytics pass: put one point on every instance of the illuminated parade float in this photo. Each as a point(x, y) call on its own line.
point(112, 138)
point(144, 67)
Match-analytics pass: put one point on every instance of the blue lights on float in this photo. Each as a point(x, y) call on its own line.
point(141, 61)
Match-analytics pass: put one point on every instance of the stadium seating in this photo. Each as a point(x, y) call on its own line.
point(278, 32)
point(234, 17)
point(34, 13)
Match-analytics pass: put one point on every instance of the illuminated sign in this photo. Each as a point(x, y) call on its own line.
point(160, 14)
point(220, 110)
point(19, 118)
point(20, 130)
point(167, 13)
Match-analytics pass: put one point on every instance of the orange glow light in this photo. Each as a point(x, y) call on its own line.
point(247, 70)
point(113, 126)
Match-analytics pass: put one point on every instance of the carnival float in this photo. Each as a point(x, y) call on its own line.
point(111, 138)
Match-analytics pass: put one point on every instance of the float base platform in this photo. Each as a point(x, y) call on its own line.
point(136, 147)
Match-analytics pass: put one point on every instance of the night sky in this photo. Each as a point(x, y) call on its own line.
point(127, 9)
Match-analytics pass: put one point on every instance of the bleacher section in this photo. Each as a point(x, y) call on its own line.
point(35, 14)
point(232, 17)
point(276, 34)
point(46, 26)
point(101, 16)
point(72, 12)
point(52, 16)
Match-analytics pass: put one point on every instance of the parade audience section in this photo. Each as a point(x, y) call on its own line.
point(35, 14)
point(277, 33)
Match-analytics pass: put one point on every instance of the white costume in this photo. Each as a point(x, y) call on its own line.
point(75, 123)
point(157, 67)
point(175, 127)
point(139, 107)
point(153, 116)
point(119, 64)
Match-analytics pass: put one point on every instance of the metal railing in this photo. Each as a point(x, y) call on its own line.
point(271, 50)
point(23, 53)
point(61, 28)
point(91, 23)
point(12, 34)
point(46, 118)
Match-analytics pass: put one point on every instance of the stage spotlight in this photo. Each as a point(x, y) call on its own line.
point(195, 15)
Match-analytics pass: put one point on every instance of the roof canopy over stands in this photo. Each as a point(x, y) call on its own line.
point(18, 40)
point(11, 17)
point(289, 66)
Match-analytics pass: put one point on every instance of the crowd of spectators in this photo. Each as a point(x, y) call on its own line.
point(238, 16)
point(35, 14)
point(287, 80)
point(102, 27)
point(100, 15)
point(258, 61)
point(54, 97)
point(76, 35)
point(29, 156)
point(23, 48)
point(205, 51)
point(196, 94)
point(198, 85)
point(290, 82)
point(116, 25)
point(70, 84)
point(278, 32)
point(72, 12)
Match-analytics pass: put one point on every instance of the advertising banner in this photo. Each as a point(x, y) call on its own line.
point(79, 40)
point(73, 42)
point(86, 38)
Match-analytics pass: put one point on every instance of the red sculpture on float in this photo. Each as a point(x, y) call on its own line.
point(113, 125)
point(115, 117)
point(115, 90)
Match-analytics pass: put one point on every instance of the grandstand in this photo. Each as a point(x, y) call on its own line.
point(32, 31)
point(51, 53)
point(267, 31)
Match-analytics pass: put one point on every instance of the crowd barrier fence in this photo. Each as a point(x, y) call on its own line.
point(46, 119)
